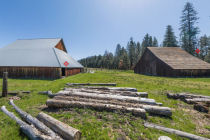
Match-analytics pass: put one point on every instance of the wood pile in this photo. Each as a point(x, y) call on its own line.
point(107, 98)
point(44, 127)
point(201, 103)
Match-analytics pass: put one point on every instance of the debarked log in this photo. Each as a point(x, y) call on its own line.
point(90, 84)
point(157, 110)
point(115, 92)
point(174, 131)
point(98, 106)
point(112, 88)
point(64, 130)
point(107, 97)
point(28, 130)
point(32, 120)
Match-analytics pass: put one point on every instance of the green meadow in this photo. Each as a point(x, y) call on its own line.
point(102, 125)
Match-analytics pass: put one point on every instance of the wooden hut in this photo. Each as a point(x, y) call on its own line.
point(171, 62)
point(37, 58)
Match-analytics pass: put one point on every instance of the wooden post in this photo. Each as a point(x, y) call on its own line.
point(5, 86)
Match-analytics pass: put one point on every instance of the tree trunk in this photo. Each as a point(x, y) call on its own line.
point(107, 97)
point(195, 100)
point(28, 130)
point(31, 120)
point(98, 106)
point(64, 130)
point(91, 84)
point(157, 110)
point(112, 88)
point(114, 92)
point(5, 84)
point(174, 131)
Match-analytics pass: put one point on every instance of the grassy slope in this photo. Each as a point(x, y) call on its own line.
point(107, 125)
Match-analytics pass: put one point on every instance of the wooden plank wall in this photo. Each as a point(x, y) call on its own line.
point(74, 71)
point(32, 72)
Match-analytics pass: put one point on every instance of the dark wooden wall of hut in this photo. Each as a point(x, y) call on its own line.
point(69, 72)
point(32, 72)
point(149, 64)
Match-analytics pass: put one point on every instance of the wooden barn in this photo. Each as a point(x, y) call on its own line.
point(171, 62)
point(37, 58)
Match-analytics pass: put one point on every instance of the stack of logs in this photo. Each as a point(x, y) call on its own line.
point(107, 98)
point(44, 127)
point(201, 103)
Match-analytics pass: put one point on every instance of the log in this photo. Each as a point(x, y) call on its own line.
point(185, 95)
point(164, 138)
point(109, 107)
point(201, 108)
point(91, 84)
point(49, 93)
point(5, 85)
point(107, 97)
point(195, 100)
point(64, 130)
point(28, 130)
point(32, 120)
point(112, 88)
point(174, 131)
point(165, 111)
point(115, 92)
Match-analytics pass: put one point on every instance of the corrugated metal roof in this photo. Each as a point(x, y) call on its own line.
point(177, 58)
point(36, 53)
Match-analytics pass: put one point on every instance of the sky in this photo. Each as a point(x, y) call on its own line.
point(89, 27)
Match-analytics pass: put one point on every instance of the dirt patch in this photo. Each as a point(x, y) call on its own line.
point(199, 119)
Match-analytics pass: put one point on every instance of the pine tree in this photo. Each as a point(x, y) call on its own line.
point(204, 44)
point(137, 52)
point(131, 51)
point(169, 38)
point(154, 42)
point(207, 57)
point(146, 43)
point(188, 28)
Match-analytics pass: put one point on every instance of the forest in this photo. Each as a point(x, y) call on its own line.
point(126, 57)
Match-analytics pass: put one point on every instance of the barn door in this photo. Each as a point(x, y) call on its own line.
point(63, 71)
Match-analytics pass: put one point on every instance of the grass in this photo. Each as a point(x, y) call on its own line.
point(101, 125)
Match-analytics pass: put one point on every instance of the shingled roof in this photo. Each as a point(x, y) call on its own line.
point(36, 53)
point(177, 58)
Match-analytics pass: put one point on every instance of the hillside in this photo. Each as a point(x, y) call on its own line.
point(108, 125)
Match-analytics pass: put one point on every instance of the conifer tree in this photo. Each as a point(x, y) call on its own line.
point(189, 30)
point(131, 51)
point(204, 44)
point(154, 42)
point(169, 38)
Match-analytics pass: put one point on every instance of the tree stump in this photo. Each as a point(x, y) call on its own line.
point(5, 86)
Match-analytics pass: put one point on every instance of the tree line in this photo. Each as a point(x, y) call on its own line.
point(127, 57)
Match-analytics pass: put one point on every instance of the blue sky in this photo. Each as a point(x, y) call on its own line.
point(90, 27)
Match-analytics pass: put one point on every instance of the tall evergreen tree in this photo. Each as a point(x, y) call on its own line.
point(189, 30)
point(131, 51)
point(137, 52)
point(154, 42)
point(204, 44)
point(146, 43)
point(169, 38)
